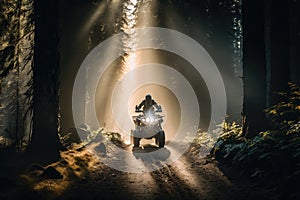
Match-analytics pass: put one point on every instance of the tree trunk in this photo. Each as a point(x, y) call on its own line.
point(45, 143)
point(279, 47)
point(254, 66)
point(295, 41)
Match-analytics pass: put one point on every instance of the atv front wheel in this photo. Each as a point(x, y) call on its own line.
point(160, 139)
point(136, 141)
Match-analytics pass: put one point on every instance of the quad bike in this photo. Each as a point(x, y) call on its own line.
point(148, 126)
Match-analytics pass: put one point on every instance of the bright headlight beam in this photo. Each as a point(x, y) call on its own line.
point(98, 60)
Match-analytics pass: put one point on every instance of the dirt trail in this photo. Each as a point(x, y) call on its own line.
point(87, 177)
point(189, 177)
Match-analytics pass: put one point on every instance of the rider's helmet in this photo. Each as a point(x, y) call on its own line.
point(148, 97)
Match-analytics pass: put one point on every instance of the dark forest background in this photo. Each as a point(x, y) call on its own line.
point(39, 63)
point(33, 73)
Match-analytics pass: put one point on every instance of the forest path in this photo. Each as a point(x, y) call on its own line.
point(86, 176)
point(189, 177)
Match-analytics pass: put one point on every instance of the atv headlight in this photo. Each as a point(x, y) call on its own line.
point(148, 120)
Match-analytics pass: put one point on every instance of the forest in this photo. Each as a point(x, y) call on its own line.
point(225, 72)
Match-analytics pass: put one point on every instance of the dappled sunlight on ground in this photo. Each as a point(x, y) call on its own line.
point(82, 166)
point(186, 174)
point(75, 164)
point(46, 187)
point(53, 187)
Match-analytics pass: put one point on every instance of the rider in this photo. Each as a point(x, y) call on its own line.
point(148, 104)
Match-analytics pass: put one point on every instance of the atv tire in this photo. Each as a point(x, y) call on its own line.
point(160, 139)
point(136, 142)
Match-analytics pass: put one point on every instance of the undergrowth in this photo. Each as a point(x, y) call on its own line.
point(272, 155)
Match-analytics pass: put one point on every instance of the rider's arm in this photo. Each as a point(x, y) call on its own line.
point(141, 104)
point(156, 105)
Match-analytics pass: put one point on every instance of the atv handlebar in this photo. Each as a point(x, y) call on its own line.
point(138, 110)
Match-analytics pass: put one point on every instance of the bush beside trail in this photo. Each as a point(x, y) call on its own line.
point(273, 156)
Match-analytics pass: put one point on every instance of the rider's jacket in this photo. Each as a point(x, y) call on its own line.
point(147, 105)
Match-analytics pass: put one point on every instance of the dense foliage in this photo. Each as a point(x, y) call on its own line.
point(273, 155)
